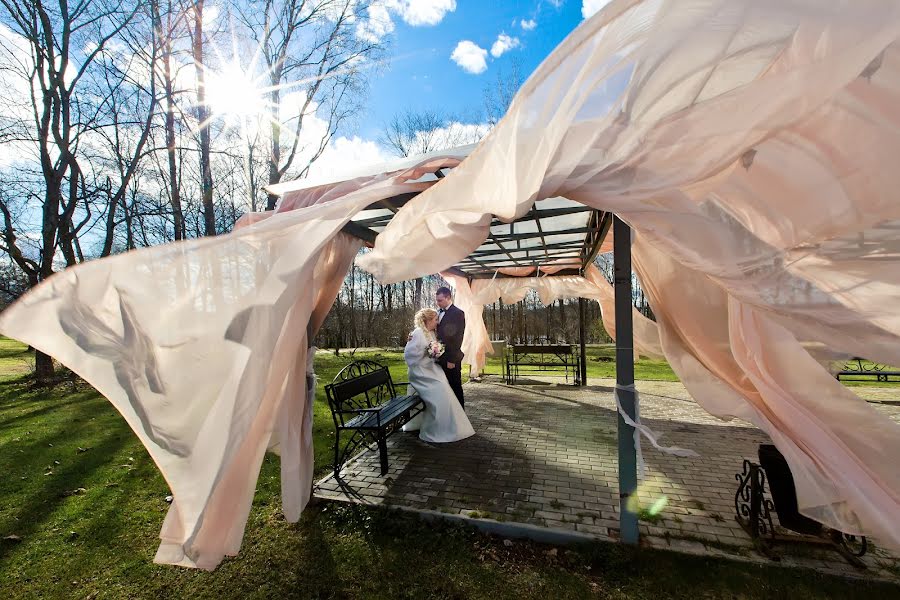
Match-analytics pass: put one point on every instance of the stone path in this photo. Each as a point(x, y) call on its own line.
point(545, 455)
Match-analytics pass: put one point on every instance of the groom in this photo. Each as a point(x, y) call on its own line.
point(451, 326)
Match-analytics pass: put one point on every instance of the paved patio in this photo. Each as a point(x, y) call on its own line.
point(544, 456)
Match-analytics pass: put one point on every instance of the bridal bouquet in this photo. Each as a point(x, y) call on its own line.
point(434, 350)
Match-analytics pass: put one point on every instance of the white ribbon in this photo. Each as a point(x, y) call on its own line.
point(640, 428)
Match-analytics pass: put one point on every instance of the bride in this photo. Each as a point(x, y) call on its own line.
point(443, 419)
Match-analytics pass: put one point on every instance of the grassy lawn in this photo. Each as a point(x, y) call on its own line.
point(81, 505)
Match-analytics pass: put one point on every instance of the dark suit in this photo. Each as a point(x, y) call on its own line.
point(450, 331)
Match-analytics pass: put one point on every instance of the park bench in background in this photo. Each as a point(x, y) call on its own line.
point(754, 510)
point(523, 359)
point(856, 368)
point(363, 400)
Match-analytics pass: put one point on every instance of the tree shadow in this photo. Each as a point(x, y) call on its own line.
point(49, 468)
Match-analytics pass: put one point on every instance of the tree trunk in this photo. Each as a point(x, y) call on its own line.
point(169, 84)
point(43, 366)
point(209, 218)
point(562, 320)
point(275, 150)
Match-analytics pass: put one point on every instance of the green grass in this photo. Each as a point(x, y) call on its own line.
point(99, 542)
point(15, 360)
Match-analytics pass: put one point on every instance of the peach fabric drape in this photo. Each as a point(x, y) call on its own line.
point(473, 298)
point(750, 145)
point(202, 347)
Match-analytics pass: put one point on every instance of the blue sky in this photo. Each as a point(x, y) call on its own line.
point(422, 74)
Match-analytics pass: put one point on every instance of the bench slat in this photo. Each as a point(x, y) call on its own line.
point(388, 411)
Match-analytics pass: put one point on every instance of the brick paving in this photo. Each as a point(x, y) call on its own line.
point(545, 455)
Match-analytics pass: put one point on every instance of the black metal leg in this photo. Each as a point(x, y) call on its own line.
point(382, 453)
point(337, 445)
point(755, 501)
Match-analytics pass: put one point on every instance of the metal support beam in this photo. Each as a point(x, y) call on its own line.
point(581, 335)
point(628, 519)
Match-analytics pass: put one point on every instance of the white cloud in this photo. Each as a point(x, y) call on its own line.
point(422, 12)
point(378, 25)
point(590, 7)
point(210, 14)
point(528, 25)
point(504, 44)
point(470, 56)
point(417, 13)
point(343, 153)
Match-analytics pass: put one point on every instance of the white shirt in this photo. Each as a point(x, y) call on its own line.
point(443, 312)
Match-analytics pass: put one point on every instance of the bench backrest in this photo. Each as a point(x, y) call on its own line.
point(558, 350)
point(361, 384)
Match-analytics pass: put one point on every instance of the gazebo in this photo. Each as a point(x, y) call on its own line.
point(557, 237)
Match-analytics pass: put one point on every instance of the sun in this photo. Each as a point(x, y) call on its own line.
point(230, 90)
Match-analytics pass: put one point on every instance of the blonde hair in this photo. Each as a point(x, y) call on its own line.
point(422, 316)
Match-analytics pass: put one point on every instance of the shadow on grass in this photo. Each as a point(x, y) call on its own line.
point(77, 397)
point(45, 466)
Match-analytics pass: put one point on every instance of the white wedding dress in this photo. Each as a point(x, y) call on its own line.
point(443, 419)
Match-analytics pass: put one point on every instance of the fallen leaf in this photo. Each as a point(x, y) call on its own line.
point(12, 538)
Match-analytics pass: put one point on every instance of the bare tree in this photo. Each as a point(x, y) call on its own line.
point(415, 132)
point(63, 44)
point(501, 91)
point(203, 118)
point(168, 25)
point(315, 64)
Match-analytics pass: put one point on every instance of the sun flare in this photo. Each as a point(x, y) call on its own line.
point(232, 91)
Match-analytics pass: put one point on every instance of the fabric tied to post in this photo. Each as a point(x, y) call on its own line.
point(640, 428)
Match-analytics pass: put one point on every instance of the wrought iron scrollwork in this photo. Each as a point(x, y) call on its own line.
point(753, 510)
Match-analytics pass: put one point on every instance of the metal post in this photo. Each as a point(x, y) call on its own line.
point(628, 520)
point(582, 367)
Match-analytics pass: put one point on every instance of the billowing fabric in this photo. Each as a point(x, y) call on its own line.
point(751, 146)
point(202, 347)
point(473, 298)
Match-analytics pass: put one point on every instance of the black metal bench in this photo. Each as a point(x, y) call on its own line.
point(522, 359)
point(363, 399)
point(753, 510)
point(860, 367)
